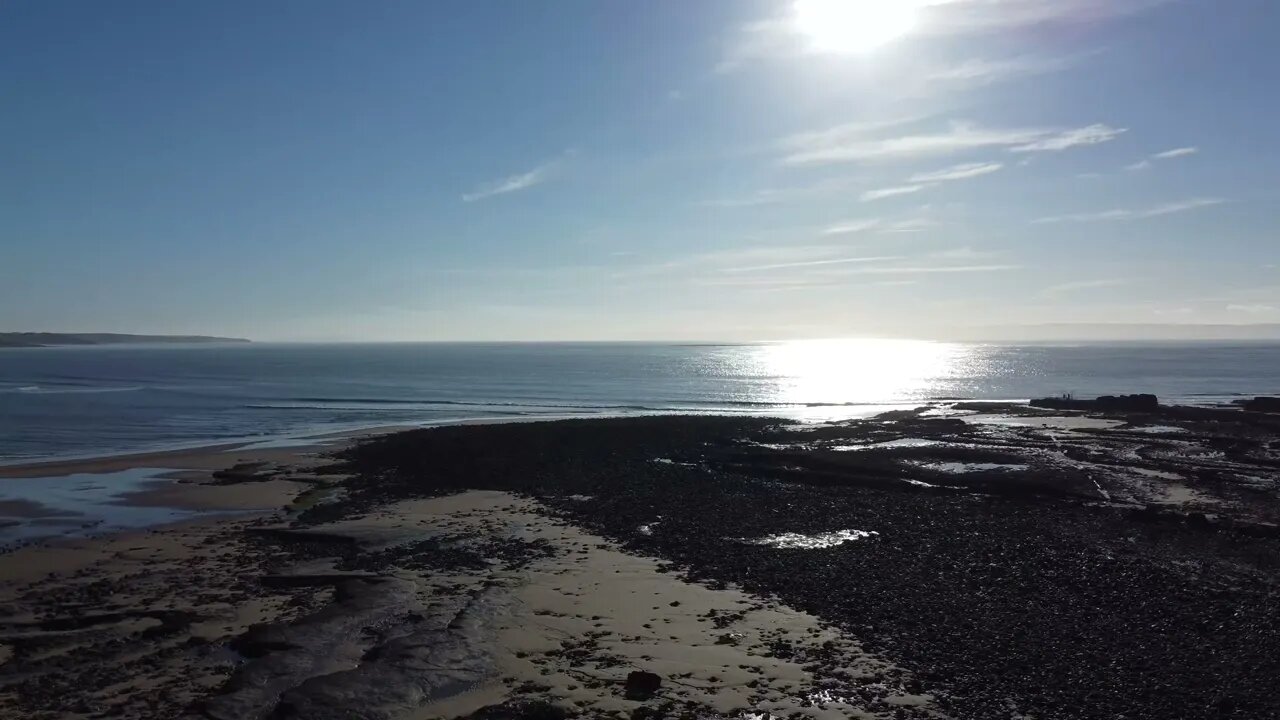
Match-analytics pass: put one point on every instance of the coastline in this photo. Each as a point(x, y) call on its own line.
point(792, 568)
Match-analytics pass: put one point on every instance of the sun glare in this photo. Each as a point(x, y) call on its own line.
point(861, 371)
point(854, 25)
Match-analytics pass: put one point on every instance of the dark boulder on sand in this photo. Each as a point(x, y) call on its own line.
point(1142, 402)
point(642, 685)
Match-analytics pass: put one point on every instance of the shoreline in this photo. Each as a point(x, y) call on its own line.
point(317, 435)
point(283, 441)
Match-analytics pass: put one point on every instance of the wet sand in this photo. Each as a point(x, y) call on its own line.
point(1087, 567)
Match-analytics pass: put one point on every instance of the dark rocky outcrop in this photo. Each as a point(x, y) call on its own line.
point(1263, 404)
point(1107, 403)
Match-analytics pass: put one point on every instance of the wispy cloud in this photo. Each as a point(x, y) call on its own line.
point(1254, 309)
point(812, 263)
point(1166, 155)
point(882, 193)
point(851, 227)
point(875, 225)
point(514, 183)
point(858, 143)
point(953, 17)
point(961, 253)
point(1128, 214)
point(1176, 153)
point(1076, 286)
point(775, 196)
point(910, 225)
point(957, 172)
point(930, 269)
point(982, 72)
point(746, 282)
point(1091, 135)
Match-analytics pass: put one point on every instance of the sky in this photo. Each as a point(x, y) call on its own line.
point(628, 170)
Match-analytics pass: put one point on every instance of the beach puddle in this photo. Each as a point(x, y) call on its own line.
point(1157, 430)
point(1162, 474)
point(960, 468)
point(890, 444)
point(79, 504)
point(796, 541)
point(1056, 422)
point(669, 461)
point(932, 486)
point(1175, 494)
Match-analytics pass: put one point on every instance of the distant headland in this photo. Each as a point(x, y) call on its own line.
point(27, 340)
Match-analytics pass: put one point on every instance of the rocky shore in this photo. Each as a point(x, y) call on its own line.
point(962, 560)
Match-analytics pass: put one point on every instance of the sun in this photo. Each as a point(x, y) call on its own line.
point(854, 25)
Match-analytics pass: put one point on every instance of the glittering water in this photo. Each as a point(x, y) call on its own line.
point(95, 400)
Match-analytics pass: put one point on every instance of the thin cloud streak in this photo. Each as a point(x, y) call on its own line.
point(1166, 155)
point(913, 225)
point(1127, 214)
point(882, 193)
point(1176, 153)
point(957, 172)
point(851, 227)
point(813, 263)
point(983, 72)
point(924, 270)
point(852, 143)
point(774, 196)
point(1071, 287)
point(910, 225)
point(1091, 135)
point(955, 17)
point(511, 184)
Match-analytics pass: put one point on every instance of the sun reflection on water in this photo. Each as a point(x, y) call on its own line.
point(812, 372)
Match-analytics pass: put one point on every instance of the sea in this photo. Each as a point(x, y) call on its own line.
point(70, 402)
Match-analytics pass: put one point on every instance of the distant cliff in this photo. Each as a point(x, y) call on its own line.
point(54, 339)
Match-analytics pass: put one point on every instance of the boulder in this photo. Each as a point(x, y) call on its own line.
point(1129, 403)
point(642, 685)
point(1263, 404)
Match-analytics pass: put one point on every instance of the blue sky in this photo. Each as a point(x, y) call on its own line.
point(600, 169)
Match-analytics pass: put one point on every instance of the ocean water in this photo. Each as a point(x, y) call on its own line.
point(83, 401)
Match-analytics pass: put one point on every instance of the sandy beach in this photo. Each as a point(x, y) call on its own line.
point(951, 561)
point(153, 622)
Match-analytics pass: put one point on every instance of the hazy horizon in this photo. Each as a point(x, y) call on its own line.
point(1046, 333)
point(735, 169)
